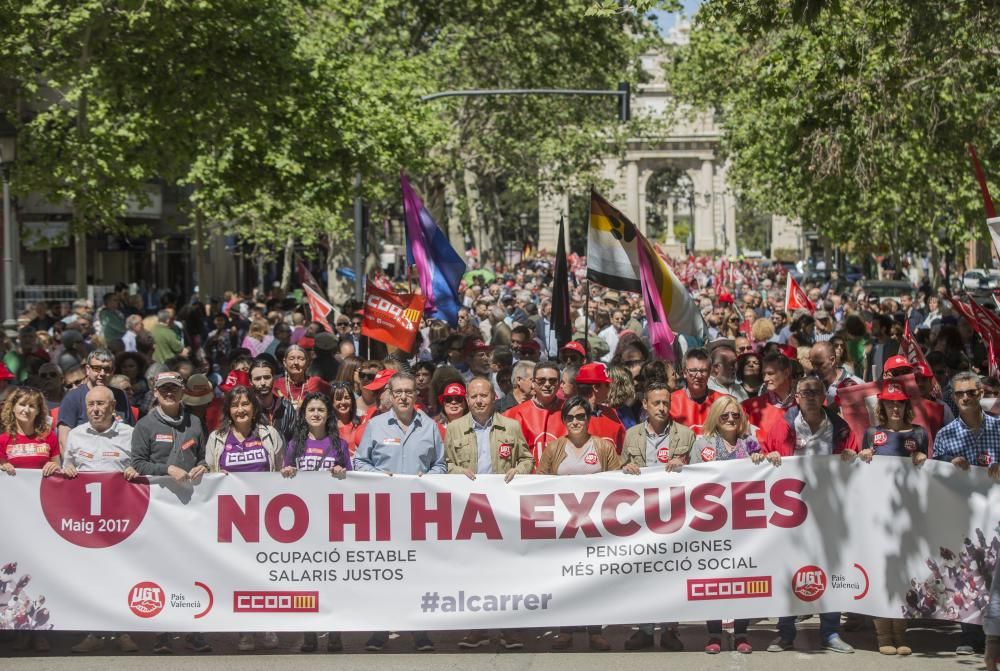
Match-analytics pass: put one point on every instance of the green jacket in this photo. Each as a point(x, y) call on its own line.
point(508, 448)
point(634, 450)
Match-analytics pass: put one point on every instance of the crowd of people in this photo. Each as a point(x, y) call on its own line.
point(252, 383)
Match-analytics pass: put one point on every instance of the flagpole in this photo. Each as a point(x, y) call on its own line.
point(586, 322)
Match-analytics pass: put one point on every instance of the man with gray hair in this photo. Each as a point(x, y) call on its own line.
point(405, 441)
point(100, 367)
point(521, 386)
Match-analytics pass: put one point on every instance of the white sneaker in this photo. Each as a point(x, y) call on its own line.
point(270, 640)
point(246, 643)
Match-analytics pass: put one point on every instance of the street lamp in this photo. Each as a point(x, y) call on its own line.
point(8, 148)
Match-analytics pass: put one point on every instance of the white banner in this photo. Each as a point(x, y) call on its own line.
point(371, 552)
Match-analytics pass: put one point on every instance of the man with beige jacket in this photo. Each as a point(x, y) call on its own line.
point(485, 442)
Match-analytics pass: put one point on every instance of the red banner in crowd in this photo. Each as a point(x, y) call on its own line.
point(858, 403)
point(319, 307)
point(392, 318)
point(796, 299)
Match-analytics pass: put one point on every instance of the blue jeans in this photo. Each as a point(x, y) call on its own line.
point(829, 625)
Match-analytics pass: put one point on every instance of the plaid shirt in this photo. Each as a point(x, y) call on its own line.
point(980, 448)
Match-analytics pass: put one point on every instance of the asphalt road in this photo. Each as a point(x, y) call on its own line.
point(933, 649)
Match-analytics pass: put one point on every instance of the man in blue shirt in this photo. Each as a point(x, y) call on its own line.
point(404, 441)
point(73, 410)
point(972, 439)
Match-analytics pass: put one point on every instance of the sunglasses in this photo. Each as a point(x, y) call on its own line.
point(546, 381)
point(366, 377)
point(576, 417)
point(734, 416)
point(972, 393)
point(454, 400)
point(73, 385)
point(356, 324)
point(343, 325)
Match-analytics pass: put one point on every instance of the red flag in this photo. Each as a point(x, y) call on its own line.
point(795, 298)
point(319, 307)
point(970, 316)
point(858, 402)
point(392, 318)
point(994, 368)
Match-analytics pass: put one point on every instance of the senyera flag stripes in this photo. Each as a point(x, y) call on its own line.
point(252, 552)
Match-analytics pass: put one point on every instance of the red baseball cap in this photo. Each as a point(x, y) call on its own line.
point(892, 391)
point(236, 378)
point(476, 345)
point(381, 379)
point(896, 362)
point(574, 346)
point(789, 352)
point(5, 373)
point(725, 298)
point(593, 373)
point(452, 389)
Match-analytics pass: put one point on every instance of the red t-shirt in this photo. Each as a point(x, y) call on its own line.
point(763, 413)
point(685, 410)
point(29, 451)
point(539, 425)
point(607, 425)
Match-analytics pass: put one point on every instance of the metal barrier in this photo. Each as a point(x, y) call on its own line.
point(26, 295)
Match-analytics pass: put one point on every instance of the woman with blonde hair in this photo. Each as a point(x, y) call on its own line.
point(762, 330)
point(622, 394)
point(27, 440)
point(726, 435)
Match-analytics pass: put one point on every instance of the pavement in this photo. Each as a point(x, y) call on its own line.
point(933, 649)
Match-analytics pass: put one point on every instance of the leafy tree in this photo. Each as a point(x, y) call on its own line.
point(852, 114)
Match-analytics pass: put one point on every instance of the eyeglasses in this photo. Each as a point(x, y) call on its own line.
point(809, 393)
point(356, 324)
point(101, 369)
point(343, 325)
point(744, 349)
point(366, 377)
point(734, 416)
point(576, 417)
point(546, 381)
point(972, 393)
point(698, 372)
point(451, 400)
point(401, 393)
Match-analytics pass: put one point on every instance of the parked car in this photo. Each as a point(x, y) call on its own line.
point(975, 279)
point(887, 288)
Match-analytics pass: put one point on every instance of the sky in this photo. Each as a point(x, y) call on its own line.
point(668, 20)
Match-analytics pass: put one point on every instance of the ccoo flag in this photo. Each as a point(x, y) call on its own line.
point(392, 318)
point(439, 266)
point(614, 250)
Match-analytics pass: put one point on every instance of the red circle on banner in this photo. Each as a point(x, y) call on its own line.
point(146, 599)
point(94, 510)
point(809, 583)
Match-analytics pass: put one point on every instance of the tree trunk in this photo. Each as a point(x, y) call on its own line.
point(475, 211)
point(286, 270)
point(82, 129)
point(338, 290)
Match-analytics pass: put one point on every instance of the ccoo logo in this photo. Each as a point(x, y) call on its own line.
point(146, 599)
point(809, 583)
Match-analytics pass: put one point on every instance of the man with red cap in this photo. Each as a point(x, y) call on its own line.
point(374, 388)
point(572, 354)
point(934, 412)
point(540, 417)
point(477, 354)
point(689, 406)
point(593, 384)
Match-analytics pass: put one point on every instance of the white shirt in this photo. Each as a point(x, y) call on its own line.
point(610, 336)
point(107, 452)
point(807, 443)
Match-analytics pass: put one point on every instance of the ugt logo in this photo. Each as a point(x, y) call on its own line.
point(146, 599)
point(809, 583)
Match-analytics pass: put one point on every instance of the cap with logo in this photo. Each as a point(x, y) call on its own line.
point(593, 373)
point(167, 379)
point(893, 392)
point(574, 346)
point(452, 389)
point(381, 379)
point(198, 391)
point(897, 362)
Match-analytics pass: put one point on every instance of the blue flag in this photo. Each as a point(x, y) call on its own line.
point(439, 266)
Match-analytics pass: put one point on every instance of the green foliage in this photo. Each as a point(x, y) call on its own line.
point(852, 114)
